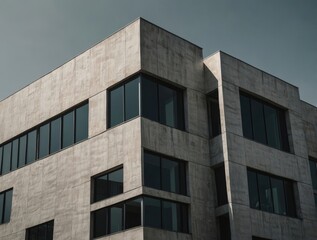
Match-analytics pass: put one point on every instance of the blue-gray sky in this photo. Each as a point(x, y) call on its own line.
point(278, 36)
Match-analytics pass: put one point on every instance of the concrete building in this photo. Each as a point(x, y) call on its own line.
point(139, 137)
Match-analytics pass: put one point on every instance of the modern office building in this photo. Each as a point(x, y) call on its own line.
point(139, 137)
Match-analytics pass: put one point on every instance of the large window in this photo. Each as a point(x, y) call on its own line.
point(43, 231)
point(108, 184)
point(263, 122)
point(214, 114)
point(157, 213)
point(224, 227)
point(313, 172)
point(271, 194)
point(159, 102)
point(56, 134)
point(5, 206)
point(221, 185)
point(164, 173)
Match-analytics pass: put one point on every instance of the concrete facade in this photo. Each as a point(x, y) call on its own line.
point(59, 186)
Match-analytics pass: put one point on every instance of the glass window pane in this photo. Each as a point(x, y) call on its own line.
point(149, 99)
point(272, 127)
point(283, 129)
point(265, 193)
point(132, 99)
point(32, 233)
point(82, 123)
point(1, 161)
point(289, 196)
point(253, 190)
point(221, 186)
point(7, 207)
point(115, 181)
point(44, 140)
point(50, 230)
point(68, 129)
point(133, 213)
point(313, 173)
point(116, 218)
point(15, 154)
point(55, 139)
point(152, 212)
point(152, 174)
point(31, 147)
point(41, 232)
point(6, 159)
point(1, 206)
point(101, 188)
point(224, 227)
point(214, 115)
point(315, 196)
point(258, 121)
point(278, 196)
point(170, 175)
point(22, 151)
point(168, 106)
point(170, 215)
point(246, 117)
point(116, 106)
point(100, 222)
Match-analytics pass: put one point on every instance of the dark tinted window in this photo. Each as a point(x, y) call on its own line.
point(81, 123)
point(164, 173)
point(68, 129)
point(55, 140)
point(116, 218)
point(221, 186)
point(100, 220)
point(5, 206)
point(271, 194)
point(259, 238)
point(131, 99)
point(15, 154)
point(44, 141)
point(116, 106)
point(313, 172)
point(263, 122)
point(171, 216)
point(22, 151)
point(149, 99)
point(253, 190)
point(214, 114)
point(224, 227)
point(246, 116)
point(1, 160)
point(43, 231)
point(31, 147)
point(6, 158)
point(168, 106)
point(152, 207)
point(108, 185)
point(133, 213)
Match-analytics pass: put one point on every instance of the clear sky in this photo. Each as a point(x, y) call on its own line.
point(277, 36)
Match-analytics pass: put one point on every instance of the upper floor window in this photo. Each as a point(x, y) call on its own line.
point(146, 211)
point(271, 194)
point(43, 231)
point(108, 184)
point(263, 122)
point(164, 173)
point(221, 185)
point(313, 172)
point(214, 114)
point(5, 206)
point(158, 101)
point(48, 138)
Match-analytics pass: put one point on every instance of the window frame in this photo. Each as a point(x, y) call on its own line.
point(3, 207)
point(281, 114)
point(25, 136)
point(27, 231)
point(183, 188)
point(288, 211)
point(105, 173)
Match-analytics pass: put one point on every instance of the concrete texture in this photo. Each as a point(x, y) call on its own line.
point(59, 186)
